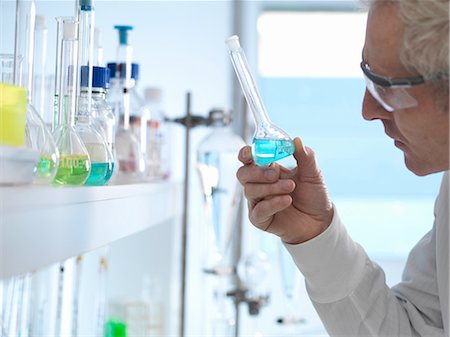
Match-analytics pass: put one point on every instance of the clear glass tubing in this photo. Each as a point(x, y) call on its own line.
point(270, 143)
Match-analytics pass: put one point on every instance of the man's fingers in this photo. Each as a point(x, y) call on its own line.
point(258, 174)
point(245, 155)
point(261, 215)
point(257, 191)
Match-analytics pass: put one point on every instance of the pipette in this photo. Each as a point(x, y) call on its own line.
point(270, 143)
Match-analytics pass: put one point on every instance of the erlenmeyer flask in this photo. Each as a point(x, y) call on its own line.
point(75, 165)
point(38, 137)
point(217, 163)
point(270, 143)
point(102, 163)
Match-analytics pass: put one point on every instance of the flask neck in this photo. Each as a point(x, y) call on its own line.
point(68, 80)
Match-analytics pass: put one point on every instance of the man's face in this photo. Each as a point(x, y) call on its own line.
point(420, 132)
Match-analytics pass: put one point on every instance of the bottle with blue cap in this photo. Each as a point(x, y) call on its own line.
point(130, 145)
point(100, 152)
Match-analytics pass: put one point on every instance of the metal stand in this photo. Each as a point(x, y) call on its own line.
point(189, 121)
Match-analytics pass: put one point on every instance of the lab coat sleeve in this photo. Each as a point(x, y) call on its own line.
point(350, 294)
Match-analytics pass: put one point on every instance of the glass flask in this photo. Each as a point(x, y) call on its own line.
point(38, 137)
point(75, 164)
point(59, 37)
point(130, 149)
point(270, 143)
point(217, 164)
point(102, 162)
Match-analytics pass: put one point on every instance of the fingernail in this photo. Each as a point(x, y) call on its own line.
point(286, 184)
point(247, 152)
point(270, 174)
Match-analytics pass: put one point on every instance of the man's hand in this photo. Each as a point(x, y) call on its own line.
point(292, 204)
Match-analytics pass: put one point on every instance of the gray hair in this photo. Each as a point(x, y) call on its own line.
point(426, 38)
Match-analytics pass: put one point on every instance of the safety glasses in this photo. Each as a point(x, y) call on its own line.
point(391, 93)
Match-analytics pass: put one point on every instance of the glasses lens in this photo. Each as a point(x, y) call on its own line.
point(390, 98)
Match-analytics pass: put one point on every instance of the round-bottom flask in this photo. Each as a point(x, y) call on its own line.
point(270, 144)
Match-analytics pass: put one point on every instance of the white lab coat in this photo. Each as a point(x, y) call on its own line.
point(349, 291)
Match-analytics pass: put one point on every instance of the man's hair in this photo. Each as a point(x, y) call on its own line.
point(426, 39)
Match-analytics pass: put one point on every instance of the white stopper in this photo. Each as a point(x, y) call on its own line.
point(70, 30)
point(41, 21)
point(233, 43)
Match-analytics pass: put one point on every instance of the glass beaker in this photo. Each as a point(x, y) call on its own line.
point(270, 143)
point(75, 164)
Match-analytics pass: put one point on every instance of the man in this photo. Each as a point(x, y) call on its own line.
point(405, 63)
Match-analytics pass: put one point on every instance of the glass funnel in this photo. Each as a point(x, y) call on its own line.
point(75, 164)
point(102, 163)
point(270, 143)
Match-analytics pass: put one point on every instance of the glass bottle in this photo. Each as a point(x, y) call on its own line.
point(130, 149)
point(38, 137)
point(102, 162)
point(75, 165)
point(157, 139)
point(104, 116)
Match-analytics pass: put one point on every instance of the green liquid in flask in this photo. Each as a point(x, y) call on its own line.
point(100, 174)
point(72, 170)
point(45, 167)
point(266, 151)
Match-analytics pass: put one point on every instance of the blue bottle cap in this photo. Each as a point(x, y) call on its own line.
point(99, 77)
point(123, 33)
point(134, 70)
point(108, 78)
point(86, 5)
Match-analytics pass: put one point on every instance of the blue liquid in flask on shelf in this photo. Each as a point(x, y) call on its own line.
point(266, 151)
point(100, 174)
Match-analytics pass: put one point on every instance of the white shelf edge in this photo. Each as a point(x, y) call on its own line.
point(40, 226)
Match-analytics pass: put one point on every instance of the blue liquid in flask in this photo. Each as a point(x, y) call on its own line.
point(266, 151)
point(100, 174)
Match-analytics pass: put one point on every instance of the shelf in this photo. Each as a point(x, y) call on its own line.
point(40, 226)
